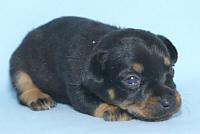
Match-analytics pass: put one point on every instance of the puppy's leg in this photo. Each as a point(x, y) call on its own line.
point(30, 94)
point(87, 103)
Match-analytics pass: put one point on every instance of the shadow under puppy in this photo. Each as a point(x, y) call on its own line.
point(98, 69)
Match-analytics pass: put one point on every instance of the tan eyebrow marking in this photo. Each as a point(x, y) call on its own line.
point(138, 67)
point(167, 61)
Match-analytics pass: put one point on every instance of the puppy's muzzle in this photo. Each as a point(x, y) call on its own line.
point(155, 107)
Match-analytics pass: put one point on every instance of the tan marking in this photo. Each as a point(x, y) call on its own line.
point(24, 82)
point(111, 93)
point(139, 68)
point(29, 92)
point(178, 101)
point(124, 104)
point(32, 96)
point(137, 109)
point(167, 61)
point(124, 116)
point(152, 101)
point(114, 113)
point(143, 108)
point(103, 108)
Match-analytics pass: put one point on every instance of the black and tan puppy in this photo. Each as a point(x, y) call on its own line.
point(100, 70)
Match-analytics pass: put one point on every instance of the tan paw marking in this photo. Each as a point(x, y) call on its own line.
point(37, 100)
point(111, 113)
point(30, 94)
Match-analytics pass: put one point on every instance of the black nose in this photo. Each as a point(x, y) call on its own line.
point(165, 103)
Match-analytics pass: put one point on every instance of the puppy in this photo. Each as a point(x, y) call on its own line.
point(100, 70)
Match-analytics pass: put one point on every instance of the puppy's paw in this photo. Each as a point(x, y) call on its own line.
point(116, 115)
point(37, 100)
point(42, 104)
point(111, 113)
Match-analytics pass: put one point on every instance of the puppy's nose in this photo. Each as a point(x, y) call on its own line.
point(165, 103)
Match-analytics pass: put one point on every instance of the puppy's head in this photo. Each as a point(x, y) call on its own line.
point(134, 70)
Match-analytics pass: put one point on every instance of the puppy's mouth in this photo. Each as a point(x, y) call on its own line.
point(153, 119)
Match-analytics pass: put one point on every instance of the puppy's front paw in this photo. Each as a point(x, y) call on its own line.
point(116, 115)
point(37, 100)
point(42, 104)
point(111, 113)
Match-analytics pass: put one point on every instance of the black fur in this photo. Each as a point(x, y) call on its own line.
point(76, 60)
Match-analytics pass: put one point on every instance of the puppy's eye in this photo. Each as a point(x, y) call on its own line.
point(132, 80)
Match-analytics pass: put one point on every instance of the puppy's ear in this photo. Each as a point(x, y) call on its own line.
point(97, 63)
point(94, 75)
point(171, 48)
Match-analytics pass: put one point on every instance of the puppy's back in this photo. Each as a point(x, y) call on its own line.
point(46, 50)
